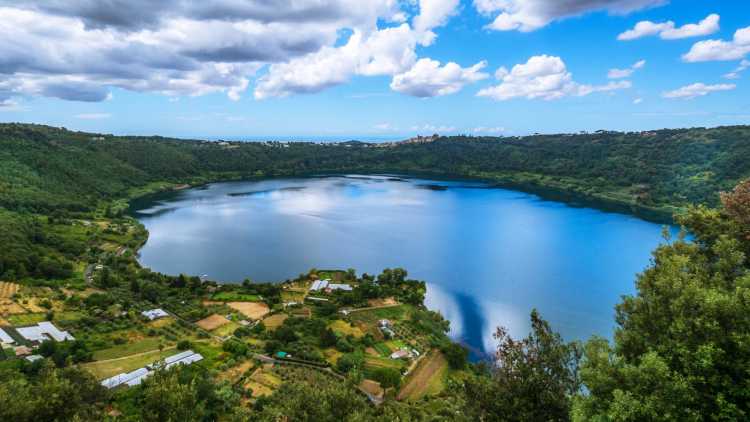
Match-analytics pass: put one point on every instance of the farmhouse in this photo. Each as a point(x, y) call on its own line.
point(155, 314)
point(345, 287)
point(5, 338)
point(42, 332)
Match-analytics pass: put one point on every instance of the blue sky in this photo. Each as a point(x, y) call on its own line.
point(379, 69)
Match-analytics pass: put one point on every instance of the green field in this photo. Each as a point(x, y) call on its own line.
point(20, 320)
point(147, 344)
point(235, 297)
point(372, 316)
point(108, 368)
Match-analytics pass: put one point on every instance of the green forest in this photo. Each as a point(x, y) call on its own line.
point(680, 350)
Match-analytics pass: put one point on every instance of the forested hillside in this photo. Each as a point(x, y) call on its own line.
point(45, 168)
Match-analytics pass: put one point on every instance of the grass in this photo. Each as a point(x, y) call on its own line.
point(344, 328)
point(373, 362)
point(27, 319)
point(144, 345)
point(371, 316)
point(274, 321)
point(226, 330)
point(109, 368)
point(235, 297)
point(427, 379)
point(382, 348)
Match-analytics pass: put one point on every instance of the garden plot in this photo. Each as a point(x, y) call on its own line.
point(252, 310)
point(212, 322)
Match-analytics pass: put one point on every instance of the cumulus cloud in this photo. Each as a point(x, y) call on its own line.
point(377, 52)
point(625, 73)
point(81, 49)
point(668, 31)
point(530, 15)
point(735, 74)
point(430, 128)
point(488, 130)
point(709, 50)
point(697, 90)
point(542, 77)
point(428, 79)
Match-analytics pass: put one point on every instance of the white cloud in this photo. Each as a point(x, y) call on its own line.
point(542, 77)
point(488, 130)
point(735, 74)
point(668, 31)
point(625, 73)
point(430, 128)
point(637, 100)
point(81, 49)
point(428, 79)
point(93, 116)
point(432, 14)
point(697, 90)
point(374, 52)
point(530, 15)
point(709, 50)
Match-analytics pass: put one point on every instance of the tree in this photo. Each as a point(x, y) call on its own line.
point(387, 377)
point(164, 397)
point(456, 355)
point(328, 338)
point(532, 379)
point(680, 349)
point(737, 204)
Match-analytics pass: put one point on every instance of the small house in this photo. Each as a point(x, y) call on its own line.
point(155, 314)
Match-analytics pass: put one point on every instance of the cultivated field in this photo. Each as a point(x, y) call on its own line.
point(344, 328)
point(274, 321)
point(212, 322)
point(7, 289)
point(426, 379)
point(108, 368)
point(252, 310)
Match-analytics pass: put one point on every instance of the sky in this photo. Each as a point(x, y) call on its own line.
point(373, 69)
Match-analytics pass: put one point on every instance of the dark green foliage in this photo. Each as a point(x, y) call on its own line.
point(50, 394)
point(680, 349)
point(456, 355)
point(532, 379)
point(387, 377)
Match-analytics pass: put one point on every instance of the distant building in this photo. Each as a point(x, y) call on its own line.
point(42, 332)
point(346, 287)
point(155, 314)
point(5, 338)
point(34, 358)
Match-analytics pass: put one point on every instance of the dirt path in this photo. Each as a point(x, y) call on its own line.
point(421, 377)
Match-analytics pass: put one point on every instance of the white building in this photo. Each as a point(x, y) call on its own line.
point(155, 314)
point(319, 285)
point(346, 287)
point(42, 332)
point(5, 338)
point(130, 378)
point(136, 377)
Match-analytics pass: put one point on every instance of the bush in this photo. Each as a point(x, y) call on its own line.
point(184, 345)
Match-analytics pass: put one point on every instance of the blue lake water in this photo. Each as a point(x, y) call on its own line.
point(488, 255)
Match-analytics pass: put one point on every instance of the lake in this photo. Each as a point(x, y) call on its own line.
point(489, 255)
